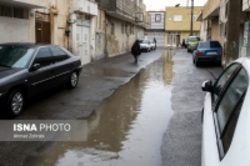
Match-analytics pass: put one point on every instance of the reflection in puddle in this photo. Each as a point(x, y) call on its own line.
point(126, 129)
point(107, 72)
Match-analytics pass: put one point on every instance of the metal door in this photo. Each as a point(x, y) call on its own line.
point(83, 45)
point(43, 32)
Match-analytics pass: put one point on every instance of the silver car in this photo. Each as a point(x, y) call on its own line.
point(145, 45)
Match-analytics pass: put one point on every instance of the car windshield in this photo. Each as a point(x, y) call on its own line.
point(144, 41)
point(15, 56)
point(193, 39)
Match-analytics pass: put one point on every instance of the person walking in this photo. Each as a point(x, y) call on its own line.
point(136, 50)
point(155, 42)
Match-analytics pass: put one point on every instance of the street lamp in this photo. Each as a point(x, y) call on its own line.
point(192, 17)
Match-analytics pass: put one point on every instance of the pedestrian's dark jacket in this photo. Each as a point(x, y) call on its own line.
point(135, 50)
point(155, 41)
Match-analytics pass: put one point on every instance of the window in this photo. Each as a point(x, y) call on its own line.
point(122, 28)
point(177, 18)
point(44, 57)
point(221, 82)
point(16, 12)
point(194, 17)
point(157, 18)
point(59, 55)
point(112, 28)
point(131, 29)
point(228, 109)
point(215, 44)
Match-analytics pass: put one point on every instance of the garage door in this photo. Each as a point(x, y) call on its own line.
point(159, 36)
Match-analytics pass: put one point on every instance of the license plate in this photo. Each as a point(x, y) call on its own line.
point(211, 53)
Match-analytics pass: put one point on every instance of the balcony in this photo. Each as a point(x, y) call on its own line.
point(121, 9)
point(211, 9)
point(30, 4)
point(86, 7)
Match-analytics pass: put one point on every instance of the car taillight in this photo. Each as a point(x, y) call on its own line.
point(199, 53)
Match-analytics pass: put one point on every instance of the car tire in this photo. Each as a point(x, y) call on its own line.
point(15, 103)
point(73, 82)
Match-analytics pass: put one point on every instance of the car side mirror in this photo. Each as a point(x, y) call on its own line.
point(35, 67)
point(207, 86)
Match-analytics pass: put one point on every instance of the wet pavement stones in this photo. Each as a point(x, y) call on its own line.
point(181, 145)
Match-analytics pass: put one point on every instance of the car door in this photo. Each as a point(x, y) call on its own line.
point(226, 115)
point(221, 116)
point(209, 146)
point(41, 79)
point(63, 65)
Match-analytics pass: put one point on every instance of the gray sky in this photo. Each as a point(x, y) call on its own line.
point(161, 4)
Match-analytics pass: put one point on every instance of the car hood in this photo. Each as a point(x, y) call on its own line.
point(6, 71)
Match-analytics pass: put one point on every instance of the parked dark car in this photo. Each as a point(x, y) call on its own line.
point(207, 51)
point(29, 69)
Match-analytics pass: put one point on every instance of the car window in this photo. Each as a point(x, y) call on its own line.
point(215, 44)
point(15, 56)
point(227, 110)
point(204, 45)
point(44, 57)
point(223, 79)
point(59, 55)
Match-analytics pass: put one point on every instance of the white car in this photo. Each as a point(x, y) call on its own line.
point(152, 44)
point(145, 45)
point(226, 117)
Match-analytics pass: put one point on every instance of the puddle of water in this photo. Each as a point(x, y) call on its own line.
point(126, 129)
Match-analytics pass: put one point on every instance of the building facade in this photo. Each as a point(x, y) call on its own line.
point(88, 28)
point(119, 24)
point(178, 23)
point(17, 20)
point(227, 21)
point(157, 28)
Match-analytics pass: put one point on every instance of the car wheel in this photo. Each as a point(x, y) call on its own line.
point(15, 102)
point(73, 82)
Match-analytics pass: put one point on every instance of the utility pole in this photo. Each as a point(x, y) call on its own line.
point(233, 31)
point(192, 17)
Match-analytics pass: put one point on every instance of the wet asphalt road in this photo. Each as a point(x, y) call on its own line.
point(181, 145)
point(126, 128)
